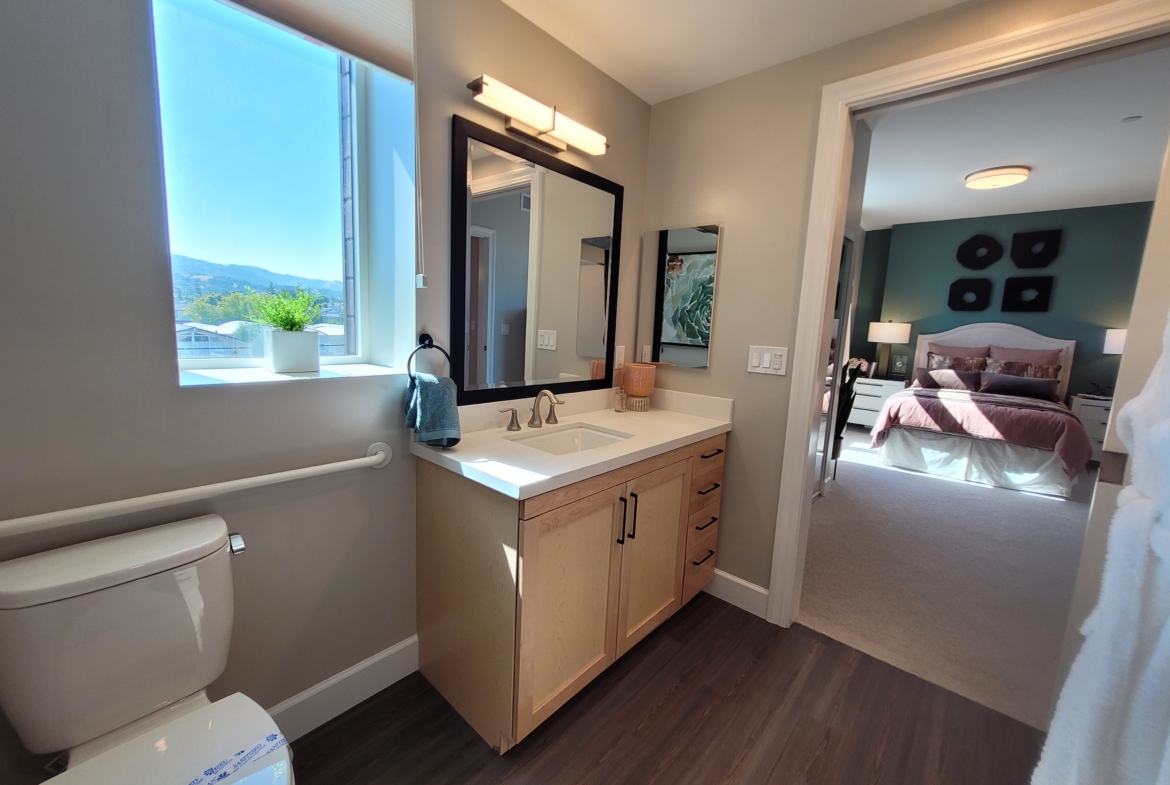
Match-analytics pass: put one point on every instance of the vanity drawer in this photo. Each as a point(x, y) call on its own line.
point(703, 523)
point(709, 454)
point(700, 567)
point(706, 489)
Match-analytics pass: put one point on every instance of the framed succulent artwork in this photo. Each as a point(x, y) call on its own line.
point(687, 262)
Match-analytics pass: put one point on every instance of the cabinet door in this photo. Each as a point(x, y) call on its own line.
point(569, 577)
point(652, 556)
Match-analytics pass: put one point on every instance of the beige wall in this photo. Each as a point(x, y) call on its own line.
point(92, 412)
point(740, 154)
point(457, 40)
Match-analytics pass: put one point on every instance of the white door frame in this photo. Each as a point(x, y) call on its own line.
point(484, 233)
point(1082, 33)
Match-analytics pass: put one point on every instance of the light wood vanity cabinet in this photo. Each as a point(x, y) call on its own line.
point(523, 603)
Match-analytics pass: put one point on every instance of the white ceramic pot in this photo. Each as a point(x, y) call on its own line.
point(292, 352)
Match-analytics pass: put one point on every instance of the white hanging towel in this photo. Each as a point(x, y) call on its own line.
point(1112, 722)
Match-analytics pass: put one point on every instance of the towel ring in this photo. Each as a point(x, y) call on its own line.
point(425, 341)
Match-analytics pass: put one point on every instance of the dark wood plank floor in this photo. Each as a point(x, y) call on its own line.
point(715, 695)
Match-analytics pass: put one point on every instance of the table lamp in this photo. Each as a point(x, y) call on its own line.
point(884, 334)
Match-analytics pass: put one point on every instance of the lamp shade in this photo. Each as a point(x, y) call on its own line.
point(889, 332)
point(1114, 341)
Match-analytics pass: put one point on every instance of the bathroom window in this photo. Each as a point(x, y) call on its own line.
point(264, 135)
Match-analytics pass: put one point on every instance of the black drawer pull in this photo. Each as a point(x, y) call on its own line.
point(705, 525)
point(634, 525)
point(712, 455)
point(710, 553)
point(704, 493)
point(622, 539)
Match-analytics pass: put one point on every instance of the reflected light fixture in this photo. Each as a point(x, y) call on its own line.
point(533, 119)
point(999, 177)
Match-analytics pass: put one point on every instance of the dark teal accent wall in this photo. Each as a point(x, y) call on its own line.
point(875, 257)
point(1096, 274)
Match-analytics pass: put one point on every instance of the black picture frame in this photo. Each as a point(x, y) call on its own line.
point(462, 131)
point(660, 293)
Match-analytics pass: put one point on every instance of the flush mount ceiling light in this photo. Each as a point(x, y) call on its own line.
point(1000, 177)
point(533, 119)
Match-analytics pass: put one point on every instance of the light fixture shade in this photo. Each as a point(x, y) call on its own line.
point(889, 332)
point(1114, 341)
point(512, 103)
point(583, 138)
point(1000, 177)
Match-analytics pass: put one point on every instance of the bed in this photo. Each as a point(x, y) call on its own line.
point(1007, 441)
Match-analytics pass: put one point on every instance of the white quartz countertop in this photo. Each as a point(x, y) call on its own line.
point(521, 472)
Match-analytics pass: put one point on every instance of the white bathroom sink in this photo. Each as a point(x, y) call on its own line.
point(565, 439)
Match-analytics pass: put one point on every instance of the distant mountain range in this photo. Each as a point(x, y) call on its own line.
point(237, 277)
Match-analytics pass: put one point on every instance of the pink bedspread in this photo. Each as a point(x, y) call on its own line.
point(1023, 421)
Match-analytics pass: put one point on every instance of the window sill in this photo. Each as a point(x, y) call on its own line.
point(197, 377)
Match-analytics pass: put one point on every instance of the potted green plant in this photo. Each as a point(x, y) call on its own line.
point(288, 347)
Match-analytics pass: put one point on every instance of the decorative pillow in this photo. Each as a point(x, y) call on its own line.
point(1034, 356)
point(1003, 384)
point(947, 380)
point(940, 362)
point(1025, 370)
point(959, 351)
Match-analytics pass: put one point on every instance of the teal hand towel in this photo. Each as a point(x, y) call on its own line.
point(431, 410)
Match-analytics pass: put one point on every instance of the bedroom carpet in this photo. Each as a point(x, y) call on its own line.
point(967, 587)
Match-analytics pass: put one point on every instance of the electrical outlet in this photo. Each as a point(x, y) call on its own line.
point(646, 354)
point(619, 355)
point(771, 360)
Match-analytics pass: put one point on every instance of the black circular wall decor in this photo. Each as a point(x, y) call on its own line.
point(979, 252)
point(970, 294)
point(1031, 250)
point(1027, 295)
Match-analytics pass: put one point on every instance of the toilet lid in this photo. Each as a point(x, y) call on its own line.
point(232, 741)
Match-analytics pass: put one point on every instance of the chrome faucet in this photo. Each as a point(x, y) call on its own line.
point(553, 402)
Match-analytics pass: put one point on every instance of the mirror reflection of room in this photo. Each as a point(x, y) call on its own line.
point(538, 273)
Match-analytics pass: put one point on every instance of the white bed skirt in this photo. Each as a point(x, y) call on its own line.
point(986, 462)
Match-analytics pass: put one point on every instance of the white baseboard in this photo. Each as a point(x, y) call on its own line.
point(738, 592)
point(322, 702)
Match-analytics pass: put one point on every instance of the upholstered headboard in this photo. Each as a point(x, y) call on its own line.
point(1000, 334)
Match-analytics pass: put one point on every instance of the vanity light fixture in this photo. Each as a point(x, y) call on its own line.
point(533, 119)
point(999, 177)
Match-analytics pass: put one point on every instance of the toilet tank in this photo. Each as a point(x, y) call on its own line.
point(97, 635)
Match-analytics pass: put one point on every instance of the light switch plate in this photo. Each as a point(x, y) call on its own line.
point(504, 327)
point(772, 360)
point(546, 339)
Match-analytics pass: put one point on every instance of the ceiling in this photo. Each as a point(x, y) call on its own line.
point(660, 49)
point(1066, 125)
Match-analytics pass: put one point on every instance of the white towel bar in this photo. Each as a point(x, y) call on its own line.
point(378, 455)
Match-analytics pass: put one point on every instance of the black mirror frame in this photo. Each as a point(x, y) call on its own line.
point(463, 130)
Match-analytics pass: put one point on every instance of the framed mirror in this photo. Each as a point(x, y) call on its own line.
point(534, 268)
point(681, 264)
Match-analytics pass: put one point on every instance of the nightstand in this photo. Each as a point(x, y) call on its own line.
point(870, 395)
point(1094, 415)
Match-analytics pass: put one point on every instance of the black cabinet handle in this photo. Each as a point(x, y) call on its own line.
point(701, 493)
point(705, 525)
point(712, 455)
point(700, 561)
point(634, 525)
point(622, 539)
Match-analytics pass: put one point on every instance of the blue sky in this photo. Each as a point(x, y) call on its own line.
point(251, 141)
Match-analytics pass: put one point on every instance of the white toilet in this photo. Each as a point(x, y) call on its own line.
point(106, 648)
